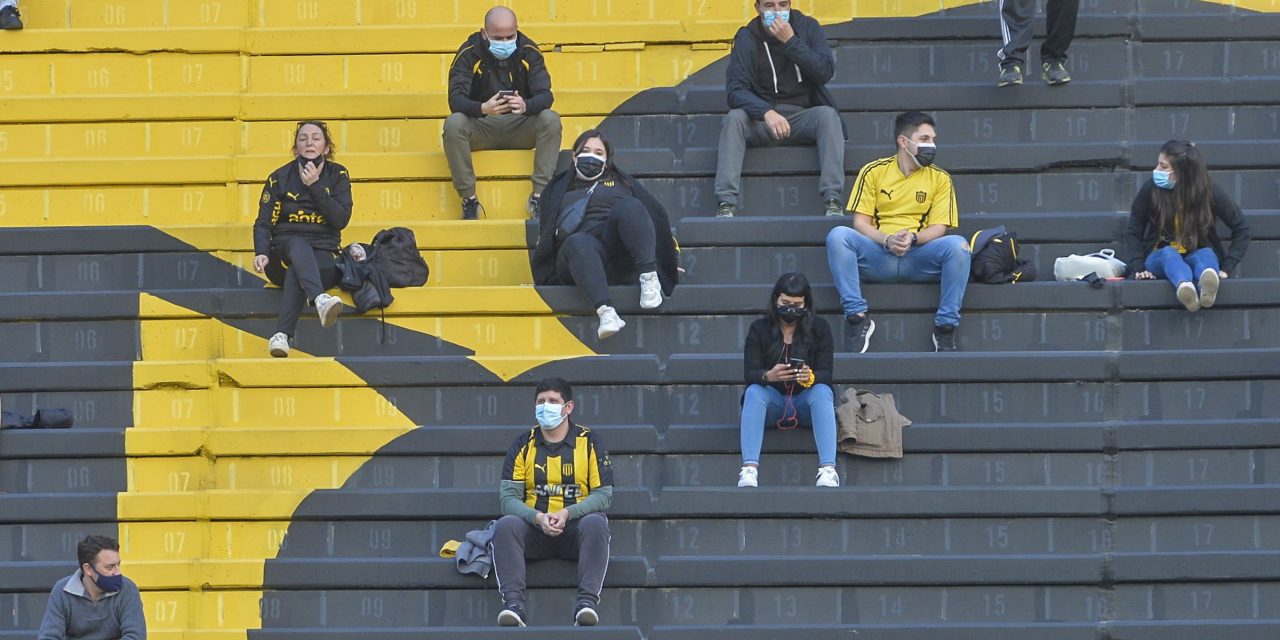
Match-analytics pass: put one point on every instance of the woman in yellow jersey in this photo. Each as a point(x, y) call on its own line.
point(1173, 234)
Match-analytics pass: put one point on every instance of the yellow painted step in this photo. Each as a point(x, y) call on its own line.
point(431, 235)
point(267, 440)
point(380, 204)
point(184, 540)
point(188, 412)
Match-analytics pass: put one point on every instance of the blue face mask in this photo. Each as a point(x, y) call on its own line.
point(502, 49)
point(1161, 178)
point(548, 415)
point(109, 584)
point(770, 16)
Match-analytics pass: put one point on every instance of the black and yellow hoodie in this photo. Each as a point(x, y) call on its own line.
point(288, 208)
point(476, 76)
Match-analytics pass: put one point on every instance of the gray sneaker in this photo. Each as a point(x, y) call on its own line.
point(1055, 73)
point(1010, 76)
point(833, 208)
point(726, 210)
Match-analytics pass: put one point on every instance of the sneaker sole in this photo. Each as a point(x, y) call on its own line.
point(586, 619)
point(938, 350)
point(1189, 298)
point(1209, 283)
point(603, 334)
point(279, 353)
point(1003, 84)
point(748, 486)
point(651, 305)
point(330, 315)
point(509, 619)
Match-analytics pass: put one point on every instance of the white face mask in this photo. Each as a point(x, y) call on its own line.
point(549, 415)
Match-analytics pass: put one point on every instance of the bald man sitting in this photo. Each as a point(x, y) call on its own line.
point(500, 95)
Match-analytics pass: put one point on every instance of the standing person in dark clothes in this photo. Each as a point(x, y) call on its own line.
point(1016, 17)
point(305, 205)
point(500, 96)
point(777, 85)
point(96, 602)
point(557, 482)
point(624, 234)
point(1173, 228)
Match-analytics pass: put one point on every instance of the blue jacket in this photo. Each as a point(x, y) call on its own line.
point(808, 50)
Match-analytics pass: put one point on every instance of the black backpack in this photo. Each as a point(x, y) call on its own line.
point(395, 253)
point(995, 258)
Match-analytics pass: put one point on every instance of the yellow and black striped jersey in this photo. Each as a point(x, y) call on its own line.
point(895, 202)
point(558, 474)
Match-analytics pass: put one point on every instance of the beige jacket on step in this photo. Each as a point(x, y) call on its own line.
point(868, 424)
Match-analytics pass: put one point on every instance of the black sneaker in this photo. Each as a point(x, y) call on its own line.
point(833, 208)
point(532, 206)
point(512, 615)
point(944, 338)
point(9, 20)
point(726, 210)
point(1055, 73)
point(471, 208)
point(857, 333)
point(1010, 76)
point(585, 615)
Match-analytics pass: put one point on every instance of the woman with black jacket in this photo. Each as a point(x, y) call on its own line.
point(788, 361)
point(623, 236)
point(1172, 231)
point(304, 206)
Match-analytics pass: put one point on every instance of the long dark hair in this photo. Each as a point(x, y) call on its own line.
point(581, 141)
point(791, 284)
point(1188, 202)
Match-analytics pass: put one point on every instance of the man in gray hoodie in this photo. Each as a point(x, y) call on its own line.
point(96, 602)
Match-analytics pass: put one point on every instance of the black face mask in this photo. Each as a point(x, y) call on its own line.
point(589, 166)
point(790, 313)
point(925, 151)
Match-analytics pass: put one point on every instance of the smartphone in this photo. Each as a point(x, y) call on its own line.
point(506, 93)
point(796, 363)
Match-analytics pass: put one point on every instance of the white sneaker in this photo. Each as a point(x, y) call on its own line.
point(1189, 298)
point(650, 290)
point(610, 323)
point(328, 307)
point(1209, 282)
point(278, 346)
point(827, 477)
point(747, 477)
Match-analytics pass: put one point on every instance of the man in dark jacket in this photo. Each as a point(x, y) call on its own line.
point(500, 96)
point(776, 81)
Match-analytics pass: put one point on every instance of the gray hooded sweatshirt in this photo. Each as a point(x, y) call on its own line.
point(71, 615)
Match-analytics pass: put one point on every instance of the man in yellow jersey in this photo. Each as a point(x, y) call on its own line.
point(557, 482)
point(902, 208)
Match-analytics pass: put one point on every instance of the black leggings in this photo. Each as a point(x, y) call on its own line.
point(609, 253)
point(302, 273)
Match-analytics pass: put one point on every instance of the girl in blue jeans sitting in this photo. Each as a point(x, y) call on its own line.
point(1173, 232)
point(787, 360)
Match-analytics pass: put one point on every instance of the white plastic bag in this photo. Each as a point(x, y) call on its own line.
point(1074, 267)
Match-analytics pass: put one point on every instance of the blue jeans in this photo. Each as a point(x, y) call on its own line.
point(1170, 265)
point(763, 405)
point(945, 259)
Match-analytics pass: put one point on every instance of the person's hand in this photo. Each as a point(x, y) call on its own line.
point(899, 243)
point(495, 106)
point(543, 523)
point(260, 263)
point(1144, 275)
point(516, 104)
point(558, 520)
point(805, 374)
point(780, 372)
point(310, 173)
point(778, 126)
point(1222, 274)
point(781, 31)
point(356, 250)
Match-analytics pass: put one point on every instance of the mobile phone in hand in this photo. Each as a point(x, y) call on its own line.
point(796, 363)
